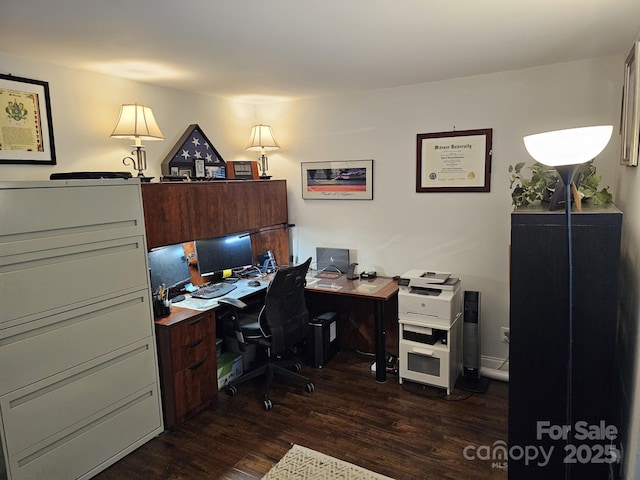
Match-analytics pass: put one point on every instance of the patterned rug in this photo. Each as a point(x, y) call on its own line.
point(301, 463)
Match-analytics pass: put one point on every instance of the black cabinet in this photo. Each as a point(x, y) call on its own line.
point(540, 343)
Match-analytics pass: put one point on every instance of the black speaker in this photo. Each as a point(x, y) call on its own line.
point(470, 380)
point(471, 335)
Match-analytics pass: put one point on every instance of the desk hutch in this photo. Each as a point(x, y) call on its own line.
point(179, 212)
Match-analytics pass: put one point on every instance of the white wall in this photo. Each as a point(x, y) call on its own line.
point(629, 316)
point(465, 233)
point(85, 108)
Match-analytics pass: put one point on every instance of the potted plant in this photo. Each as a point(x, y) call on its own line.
point(544, 181)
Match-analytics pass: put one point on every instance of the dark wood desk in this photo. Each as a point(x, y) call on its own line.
point(186, 338)
point(382, 292)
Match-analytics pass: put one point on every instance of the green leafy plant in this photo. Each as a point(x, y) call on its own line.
point(542, 183)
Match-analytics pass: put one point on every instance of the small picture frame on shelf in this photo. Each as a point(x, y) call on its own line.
point(243, 170)
point(199, 167)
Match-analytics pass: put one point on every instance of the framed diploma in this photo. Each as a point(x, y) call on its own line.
point(26, 129)
point(458, 161)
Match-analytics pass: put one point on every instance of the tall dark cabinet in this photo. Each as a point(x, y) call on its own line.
point(539, 342)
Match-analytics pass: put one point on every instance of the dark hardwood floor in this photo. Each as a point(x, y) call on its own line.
point(406, 431)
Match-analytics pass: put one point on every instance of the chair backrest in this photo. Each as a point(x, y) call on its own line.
point(285, 307)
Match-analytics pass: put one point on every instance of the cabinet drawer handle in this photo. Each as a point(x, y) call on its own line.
point(193, 322)
point(195, 343)
point(196, 365)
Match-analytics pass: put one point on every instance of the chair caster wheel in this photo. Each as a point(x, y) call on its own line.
point(309, 387)
point(267, 405)
point(297, 367)
point(231, 391)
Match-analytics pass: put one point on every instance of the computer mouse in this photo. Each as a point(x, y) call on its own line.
point(254, 283)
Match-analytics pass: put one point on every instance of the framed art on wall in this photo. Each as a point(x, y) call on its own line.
point(26, 128)
point(630, 121)
point(343, 180)
point(458, 161)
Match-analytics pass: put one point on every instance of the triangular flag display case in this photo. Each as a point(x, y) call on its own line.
point(194, 155)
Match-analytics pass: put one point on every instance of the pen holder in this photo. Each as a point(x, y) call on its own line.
point(161, 308)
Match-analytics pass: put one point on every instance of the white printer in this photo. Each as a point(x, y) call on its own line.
point(432, 297)
point(430, 336)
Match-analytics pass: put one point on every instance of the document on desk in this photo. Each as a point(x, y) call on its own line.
point(328, 286)
point(200, 304)
point(366, 288)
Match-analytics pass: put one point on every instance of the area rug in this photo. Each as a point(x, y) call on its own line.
point(301, 463)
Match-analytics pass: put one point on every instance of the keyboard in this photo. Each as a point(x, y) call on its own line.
point(214, 291)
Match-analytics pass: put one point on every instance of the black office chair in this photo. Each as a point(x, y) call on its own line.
point(278, 326)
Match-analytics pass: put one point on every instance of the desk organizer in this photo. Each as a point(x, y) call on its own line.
point(161, 308)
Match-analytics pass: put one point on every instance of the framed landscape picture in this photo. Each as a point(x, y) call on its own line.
point(343, 180)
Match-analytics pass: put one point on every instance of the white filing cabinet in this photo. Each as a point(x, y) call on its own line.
point(79, 381)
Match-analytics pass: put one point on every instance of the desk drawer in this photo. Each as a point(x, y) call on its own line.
point(191, 341)
point(194, 387)
point(189, 353)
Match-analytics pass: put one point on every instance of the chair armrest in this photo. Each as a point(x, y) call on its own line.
point(236, 306)
point(232, 302)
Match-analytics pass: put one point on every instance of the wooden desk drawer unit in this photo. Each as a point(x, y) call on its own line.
point(79, 379)
point(187, 352)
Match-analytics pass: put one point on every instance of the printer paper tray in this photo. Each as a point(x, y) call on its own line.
point(428, 320)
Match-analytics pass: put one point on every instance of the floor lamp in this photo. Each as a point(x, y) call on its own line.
point(565, 150)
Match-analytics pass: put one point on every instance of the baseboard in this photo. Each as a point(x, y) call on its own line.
point(495, 368)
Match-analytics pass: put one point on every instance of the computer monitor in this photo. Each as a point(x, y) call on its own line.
point(168, 266)
point(223, 253)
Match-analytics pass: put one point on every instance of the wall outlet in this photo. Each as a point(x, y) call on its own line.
point(504, 334)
